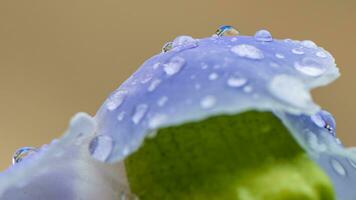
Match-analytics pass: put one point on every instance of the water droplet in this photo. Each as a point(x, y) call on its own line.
point(298, 51)
point(204, 66)
point(247, 51)
point(23, 153)
point(321, 54)
point(154, 84)
point(247, 89)
point(310, 67)
point(263, 36)
point(279, 56)
point(337, 166)
point(184, 40)
point(236, 81)
point(234, 39)
point(157, 120)
point(309, 44)
point(289, 90)
point(174, 65)
point(166, 47)
point(316, 118)
point(208, 102)
point(116, 99)
point(213, 76)
point(139, 113)
point(121, 116)
point(100, 147)
point(274, 65)
point(226, 31)
point(162, 101)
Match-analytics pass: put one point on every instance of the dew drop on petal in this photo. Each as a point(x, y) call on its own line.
point(226, 31)
point(101, 147)
point(247, 89)
point(213, 76)
point(298, 51)
point(321, 54)
point(154, 84)
point(174, 65)
point(263, 36)
point(22, 153)
point(279, 56)
point(314, 143)
point(139, 113)
point(116, 99)
point(162, 101)
point(166, 47)
point(310, 67)
point(208, 102)
point(121, 116)
point(289, 90)
point(247, 51)
point(318, 120)
point(236, 82)
point(337, 166)
point(309, 44)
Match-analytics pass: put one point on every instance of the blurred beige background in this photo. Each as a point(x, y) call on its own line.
point(61, 57)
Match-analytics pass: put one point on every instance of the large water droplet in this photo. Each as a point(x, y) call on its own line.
point(174, 65)
point(289, 90)
point(226, 31)
point(139, 113)
point(247, 51)
point(100, 147)
point(154, 84)
point(116, 99)
point(208, 102)
point(184, 40)
point(337, 166)
point(263, 36)
point(310, 67)
point(235, 81)
point(23, 153)
point(309, 44)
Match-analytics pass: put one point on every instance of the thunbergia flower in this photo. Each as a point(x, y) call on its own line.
point(190, 80)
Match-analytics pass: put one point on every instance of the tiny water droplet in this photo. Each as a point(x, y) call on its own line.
point(116, 99)
point(321, 54)
point(157, 120)
point(263, 36)
point(156, 65)
point(226, 31)
point(154, 84)
point(314, 143)
point(310, 67)
point(162, 101)
point(121, 116)
point(279, 56)
point(309, 44)
point(234, 39)
point(167, 47)
point(139, 113)
point(236, 82)
point(213, 76)
point(208, 102)
point(247, 51)
point(174, 65)
point(298, 51)
point(101, 147)
point(337, 166)
point(22, 153)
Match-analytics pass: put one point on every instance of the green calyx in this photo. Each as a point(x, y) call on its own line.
point(249, 156)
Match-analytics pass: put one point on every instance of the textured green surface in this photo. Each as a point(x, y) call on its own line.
point(250, 156)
